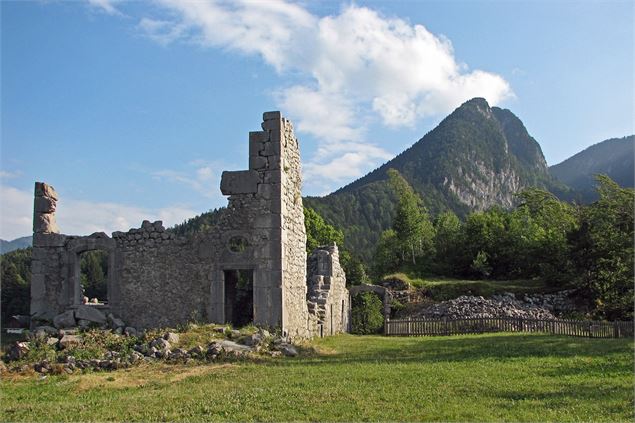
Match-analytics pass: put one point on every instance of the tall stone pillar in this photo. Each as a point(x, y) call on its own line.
point(47, 268)
point(44, 207)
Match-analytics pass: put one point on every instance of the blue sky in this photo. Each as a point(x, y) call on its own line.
point(133, 109)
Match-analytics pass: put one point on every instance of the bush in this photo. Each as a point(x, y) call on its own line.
point(367, 314)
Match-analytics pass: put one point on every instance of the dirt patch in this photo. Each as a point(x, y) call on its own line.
point(144, 375)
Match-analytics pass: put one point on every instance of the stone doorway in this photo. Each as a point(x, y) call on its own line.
point(93, 276)
point(239, 296)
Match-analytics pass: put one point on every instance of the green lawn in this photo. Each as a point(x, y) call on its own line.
point(493, 377)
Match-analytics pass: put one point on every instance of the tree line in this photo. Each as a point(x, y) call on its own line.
point(586, 247)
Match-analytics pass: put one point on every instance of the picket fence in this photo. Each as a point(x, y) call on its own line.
point(436, 327)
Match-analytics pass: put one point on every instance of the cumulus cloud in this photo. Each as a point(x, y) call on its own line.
point(353, 67)
point(81, 217)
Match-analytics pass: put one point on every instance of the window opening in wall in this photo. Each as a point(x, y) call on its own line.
point(238, 244)
point(239, 296)
point(93, 276)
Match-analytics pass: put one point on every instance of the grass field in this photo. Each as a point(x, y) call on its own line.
point(494, 377)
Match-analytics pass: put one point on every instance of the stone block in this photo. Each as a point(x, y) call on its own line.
point(44, 205)
point(64, 320)
point(271, 115)
point(49, 240)
point(70, 340)
point(271, 149)
point(257, 162)
point(255, 147)
point(272, 125)
point(239, 182)
point(258, 137)
point(276, 137)
point(90, 313)
point(268, 221)
point(38, 287)
point(45, 223)
point(273, 177)
point(265, 190)
point(45, 190)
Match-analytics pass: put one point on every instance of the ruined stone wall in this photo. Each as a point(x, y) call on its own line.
point(158, 279)
point(295, 317)
point(161, 282)
point(328, 299)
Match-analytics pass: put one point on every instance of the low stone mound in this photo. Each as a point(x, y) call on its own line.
point(469, 307)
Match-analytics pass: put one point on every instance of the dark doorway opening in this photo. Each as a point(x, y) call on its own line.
point(239, 297)
point(93, 277)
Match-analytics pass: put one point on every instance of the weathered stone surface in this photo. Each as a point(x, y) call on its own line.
point(69, 340)
point(48, 330)
point(271, 115)
point(52, 341)
point(45, 223)
point(64, 320)
point(130, 331)
point(287, 350)
point(160, 344)
point(257, 162)
point(171, 337)
point(90, 313)
point(45, 190)
point(18, 350)
point(239, 182)
point(44, 205)
point(115, 322)
point(233, 346)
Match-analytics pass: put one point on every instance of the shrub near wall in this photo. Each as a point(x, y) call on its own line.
point(366, 314)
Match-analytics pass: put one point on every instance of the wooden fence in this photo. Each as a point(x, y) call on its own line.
point(435, 327)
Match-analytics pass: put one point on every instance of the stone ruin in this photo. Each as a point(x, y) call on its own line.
point(250, 267)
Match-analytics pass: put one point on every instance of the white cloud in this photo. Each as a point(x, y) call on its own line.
point(163, 32)
point(346, 164)
point(354, 67)
point(106, 6)
point(5, 174)
point(79, 217)
point(200, 176)
point(85, 217)
point(16, 213)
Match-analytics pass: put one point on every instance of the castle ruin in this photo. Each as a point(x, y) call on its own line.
point(250, 267)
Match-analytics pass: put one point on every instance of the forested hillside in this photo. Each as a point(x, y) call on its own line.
point(613, 157)
point(476, 158)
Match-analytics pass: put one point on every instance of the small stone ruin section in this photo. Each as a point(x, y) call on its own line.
point(327, 298)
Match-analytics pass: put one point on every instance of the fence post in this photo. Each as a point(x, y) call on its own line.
point(616, 330)
point(386, 326)
point(409, 327)
point(445, 325)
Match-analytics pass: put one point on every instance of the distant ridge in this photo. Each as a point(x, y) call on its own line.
point(614, 157)
point(8, 246)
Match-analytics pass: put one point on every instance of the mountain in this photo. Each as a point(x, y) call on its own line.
point(8, 246)
point(477, 157)
point(613, 157)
